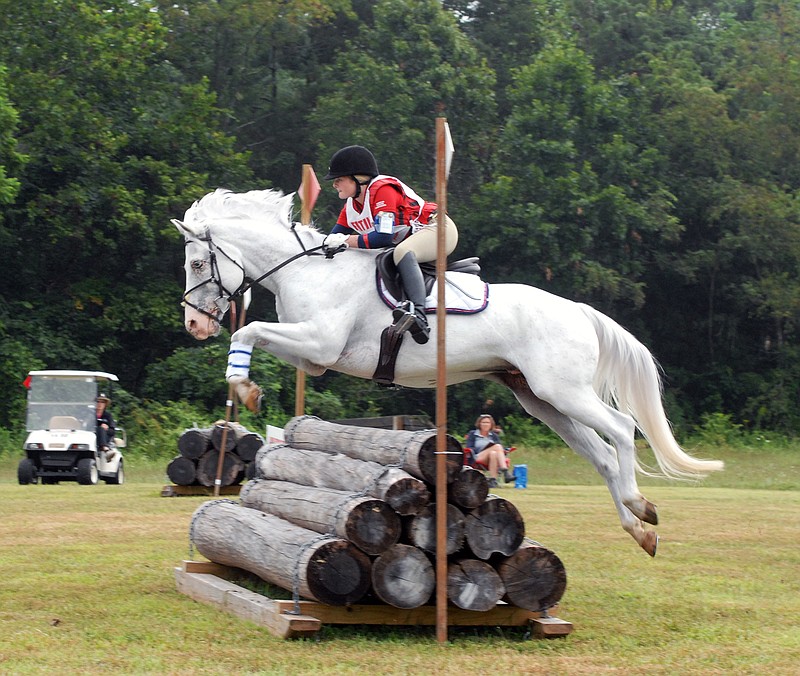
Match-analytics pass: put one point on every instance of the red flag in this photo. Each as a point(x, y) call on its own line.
point(27, 383)
point(309, 188)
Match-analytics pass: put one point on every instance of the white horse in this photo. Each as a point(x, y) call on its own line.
point(568, 365)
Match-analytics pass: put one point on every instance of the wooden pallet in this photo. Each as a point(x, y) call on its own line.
point(172, 491)
point(209, 583)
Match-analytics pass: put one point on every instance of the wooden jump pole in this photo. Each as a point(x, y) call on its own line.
point(443, 150)
point(309, 190)
point(230, 401)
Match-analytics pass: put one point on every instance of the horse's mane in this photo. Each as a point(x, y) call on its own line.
point(226, 204)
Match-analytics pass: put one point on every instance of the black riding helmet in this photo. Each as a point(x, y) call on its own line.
point(350, 161)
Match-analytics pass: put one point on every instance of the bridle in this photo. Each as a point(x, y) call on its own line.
point(216, 278)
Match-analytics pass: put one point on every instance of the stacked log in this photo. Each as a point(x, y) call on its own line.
point(199, 450)
point(325, 569)
point(325, 482)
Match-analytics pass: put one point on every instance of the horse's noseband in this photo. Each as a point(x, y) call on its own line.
point(216, 278)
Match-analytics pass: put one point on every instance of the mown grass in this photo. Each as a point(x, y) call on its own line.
point(87, 583)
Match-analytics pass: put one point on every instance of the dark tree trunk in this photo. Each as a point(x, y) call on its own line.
point(474, 585)
point(412, 451)
point(403, 577)
point(422, 529)
point(494, 527)
point(368, 523)
point(534, 577)
point(182, 471)
point(404, 493)
point(194, 442)
point(325, 569)
point(232, 465)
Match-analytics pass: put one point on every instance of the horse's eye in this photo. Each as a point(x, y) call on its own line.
point(197, 264)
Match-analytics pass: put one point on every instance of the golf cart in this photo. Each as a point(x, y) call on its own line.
point(61, 424)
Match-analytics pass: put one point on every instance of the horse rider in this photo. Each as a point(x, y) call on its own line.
point(381, 211)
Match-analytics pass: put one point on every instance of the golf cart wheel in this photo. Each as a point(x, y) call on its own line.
point(119, 477)
point(87, 472)
point(26, 472)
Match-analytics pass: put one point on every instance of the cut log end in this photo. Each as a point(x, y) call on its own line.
point(469, 488)
point(454, 458)
point(373, 526)
point(338, 573)
point(403, 577)
point(494, 527)
point(422, 529)
point(534, 577)
point(408, 496)
point(232, 467)
point(182, 471)
point(474, 585)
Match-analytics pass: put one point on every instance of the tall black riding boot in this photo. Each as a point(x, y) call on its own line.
point(414, 286)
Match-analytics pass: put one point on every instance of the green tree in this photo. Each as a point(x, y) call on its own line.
point(117, 143)
point(576, 200)
point(387, 85)
point(261, 61)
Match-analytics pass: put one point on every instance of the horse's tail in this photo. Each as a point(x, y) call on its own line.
point(629, 378)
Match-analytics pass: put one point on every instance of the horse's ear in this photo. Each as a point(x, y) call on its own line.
point(182, 227)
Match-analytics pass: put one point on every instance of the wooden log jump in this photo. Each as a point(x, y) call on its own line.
point(412, 451)
point(368, 523)
point(318, 567)
point(312, 517)
point(404, 493)
point(199, 458)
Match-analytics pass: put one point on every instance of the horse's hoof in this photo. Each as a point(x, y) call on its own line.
point(253, 401)
point(650, 514)
point(650, 542)
point(645, 510)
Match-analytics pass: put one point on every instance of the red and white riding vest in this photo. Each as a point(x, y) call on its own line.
point(413, 212)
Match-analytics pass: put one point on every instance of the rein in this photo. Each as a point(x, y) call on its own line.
point(246, 284)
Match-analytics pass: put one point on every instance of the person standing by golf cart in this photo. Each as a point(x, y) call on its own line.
point(106, 427)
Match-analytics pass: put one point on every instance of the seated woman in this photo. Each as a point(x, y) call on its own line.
point(487, 450)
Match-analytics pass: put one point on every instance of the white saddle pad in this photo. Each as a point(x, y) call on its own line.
point(464, 293)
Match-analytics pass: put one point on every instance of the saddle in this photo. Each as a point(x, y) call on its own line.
point(388, 277)
point(388, 274)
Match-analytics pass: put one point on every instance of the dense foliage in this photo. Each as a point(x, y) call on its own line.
point(640, 156)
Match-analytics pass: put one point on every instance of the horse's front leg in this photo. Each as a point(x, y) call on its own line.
point(302, 344)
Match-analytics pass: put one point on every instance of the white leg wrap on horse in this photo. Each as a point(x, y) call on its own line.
point(238, 360)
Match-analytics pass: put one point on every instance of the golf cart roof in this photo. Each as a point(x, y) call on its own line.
point(75, 374)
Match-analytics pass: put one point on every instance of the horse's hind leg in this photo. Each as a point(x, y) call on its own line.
point(585, 441)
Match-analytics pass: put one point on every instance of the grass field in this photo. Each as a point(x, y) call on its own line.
point(86, 584)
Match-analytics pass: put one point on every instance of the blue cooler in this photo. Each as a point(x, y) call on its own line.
point(520, 476)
